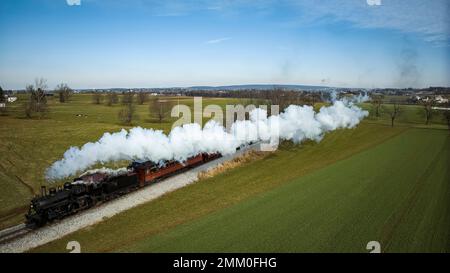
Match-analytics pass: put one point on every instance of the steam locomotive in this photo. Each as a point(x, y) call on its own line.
point(91, 189)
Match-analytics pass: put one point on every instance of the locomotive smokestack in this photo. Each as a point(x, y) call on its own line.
point(43, 191)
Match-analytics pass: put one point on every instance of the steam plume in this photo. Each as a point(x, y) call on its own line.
point(296, 123)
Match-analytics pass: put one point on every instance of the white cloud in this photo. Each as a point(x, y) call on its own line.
point(73, 2)
point(426, 18)
point(219, 40)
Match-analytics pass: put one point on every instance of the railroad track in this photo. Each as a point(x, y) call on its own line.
point(19, 238)
point(13, 232)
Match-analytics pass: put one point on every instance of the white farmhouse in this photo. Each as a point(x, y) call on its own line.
point(11, 99)
point(440, 99)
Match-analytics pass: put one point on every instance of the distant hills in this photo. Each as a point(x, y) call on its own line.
point(237, 87)
point(260, 87)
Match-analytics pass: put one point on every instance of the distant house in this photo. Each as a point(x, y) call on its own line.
point(440, 99)
point(11, 99)
point(2, 105)
point(8, 98)
point(425, 99)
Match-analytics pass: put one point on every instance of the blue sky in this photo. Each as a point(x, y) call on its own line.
point(139, 43)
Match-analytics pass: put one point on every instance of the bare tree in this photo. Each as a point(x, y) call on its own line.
point(377, 101)
point(97, 98)
point(428, 108)
point(37, 100)
point(394, 112)
point(2, 95)
point(2, 102)
point(128, 113)
point(28, 106)
point(159, 109)
point(315, 97)
point(115, 98)
point(109, 99)
point(142, 97)
point(447, 117)
point(127, 97)
point(446, 114)
point(284, 98)
point(278, 96)
point(64, 92)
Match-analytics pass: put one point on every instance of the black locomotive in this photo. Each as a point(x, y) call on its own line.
point(90, 189)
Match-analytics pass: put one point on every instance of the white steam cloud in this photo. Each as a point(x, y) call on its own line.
point(112, 172)
point(296, 123)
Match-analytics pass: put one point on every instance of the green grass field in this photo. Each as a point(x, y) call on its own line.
point(28, 147)
point(338, 208)
point(373, 182)
point(391, 186)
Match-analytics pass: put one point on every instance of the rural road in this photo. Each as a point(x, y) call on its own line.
point(92, 216)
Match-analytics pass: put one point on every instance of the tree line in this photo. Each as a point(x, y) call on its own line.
point(159, 109)
point(36, 103)
point(393, 108)
point(275, 96)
